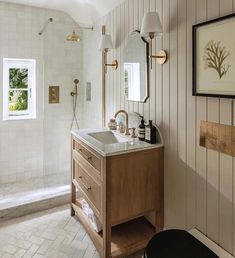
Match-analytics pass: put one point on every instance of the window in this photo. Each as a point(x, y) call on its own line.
point(19, 89)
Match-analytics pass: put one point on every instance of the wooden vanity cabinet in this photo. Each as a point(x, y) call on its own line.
point(121, 190)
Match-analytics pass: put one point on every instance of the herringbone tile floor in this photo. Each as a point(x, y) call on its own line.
point(52, 233)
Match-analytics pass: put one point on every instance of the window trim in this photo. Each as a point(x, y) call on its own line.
point(29, 64)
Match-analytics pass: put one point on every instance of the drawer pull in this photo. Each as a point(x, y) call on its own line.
point(88, 158)
point(87, 188)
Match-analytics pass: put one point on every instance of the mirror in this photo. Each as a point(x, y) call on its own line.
point(136, 68)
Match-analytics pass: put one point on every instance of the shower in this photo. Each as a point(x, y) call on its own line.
point(74, 94)
point(41, 176)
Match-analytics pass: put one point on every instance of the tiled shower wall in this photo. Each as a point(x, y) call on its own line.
point(34, 148)
point(199, 183)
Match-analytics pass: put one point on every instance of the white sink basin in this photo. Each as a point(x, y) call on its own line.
point(109, 137)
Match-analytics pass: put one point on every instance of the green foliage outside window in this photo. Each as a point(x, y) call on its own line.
point(18, 99)
point(126, 83)
point(18, 78)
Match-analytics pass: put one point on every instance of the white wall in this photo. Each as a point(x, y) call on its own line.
point(92, 67)
point(199, 183)
point(33, 148)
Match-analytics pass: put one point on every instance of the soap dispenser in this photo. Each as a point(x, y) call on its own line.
point(150, 133)
point(141, 130)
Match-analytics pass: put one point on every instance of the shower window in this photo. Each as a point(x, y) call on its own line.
point(19, 100)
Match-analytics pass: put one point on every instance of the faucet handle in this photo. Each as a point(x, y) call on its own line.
point(112, 125)
point(127, 131)
point(122, 128)
point(133, 135)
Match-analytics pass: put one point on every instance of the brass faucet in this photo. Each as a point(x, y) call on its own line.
point(127, 125)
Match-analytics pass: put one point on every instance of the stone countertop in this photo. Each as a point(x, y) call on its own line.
point(106, 150)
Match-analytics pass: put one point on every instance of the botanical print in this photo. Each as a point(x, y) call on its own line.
point(215, 55)
point(214, 58)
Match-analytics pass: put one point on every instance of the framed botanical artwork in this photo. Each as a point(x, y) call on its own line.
point(214, 58)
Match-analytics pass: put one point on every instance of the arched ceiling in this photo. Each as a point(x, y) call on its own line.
point(82, 11)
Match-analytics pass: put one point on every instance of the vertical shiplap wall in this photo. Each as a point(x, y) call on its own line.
point(199, 183)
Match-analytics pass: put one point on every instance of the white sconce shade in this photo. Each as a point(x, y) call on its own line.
point(151, 24)
point(151, 27)
point(105, 42)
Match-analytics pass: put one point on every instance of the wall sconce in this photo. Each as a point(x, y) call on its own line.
point(151, 27)
point(106, 44)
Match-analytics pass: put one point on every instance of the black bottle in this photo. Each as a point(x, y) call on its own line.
point(141, 130)
point(150, 133)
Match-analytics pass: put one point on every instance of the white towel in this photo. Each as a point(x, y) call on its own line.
point(91, 216)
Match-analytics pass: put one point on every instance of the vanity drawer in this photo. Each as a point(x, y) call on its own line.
point(90, 188)
point(86, 166)
point(90, 156)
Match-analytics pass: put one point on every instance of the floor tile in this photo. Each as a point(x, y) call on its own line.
point(48, 234)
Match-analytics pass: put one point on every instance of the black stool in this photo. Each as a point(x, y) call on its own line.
point(177, 244)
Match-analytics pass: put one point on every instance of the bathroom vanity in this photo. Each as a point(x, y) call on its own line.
point(122, 181)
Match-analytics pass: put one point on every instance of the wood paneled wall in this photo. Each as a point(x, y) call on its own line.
point(199, 183)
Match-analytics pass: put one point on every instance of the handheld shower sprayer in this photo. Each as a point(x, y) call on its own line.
point(74, 94)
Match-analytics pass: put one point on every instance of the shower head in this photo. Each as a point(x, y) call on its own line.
point(42, 30)
point(73, 37)
point(76, 81)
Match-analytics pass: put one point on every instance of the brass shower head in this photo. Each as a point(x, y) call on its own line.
point(73, 37)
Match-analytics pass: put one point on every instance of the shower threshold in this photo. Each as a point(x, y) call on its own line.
point(33, 195)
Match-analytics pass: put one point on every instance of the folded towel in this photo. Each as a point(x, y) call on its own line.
point(91, 216)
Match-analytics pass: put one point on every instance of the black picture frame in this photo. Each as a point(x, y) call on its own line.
point(194, 57)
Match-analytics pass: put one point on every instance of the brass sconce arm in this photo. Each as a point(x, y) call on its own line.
point(114, 65)
point(161, 55)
